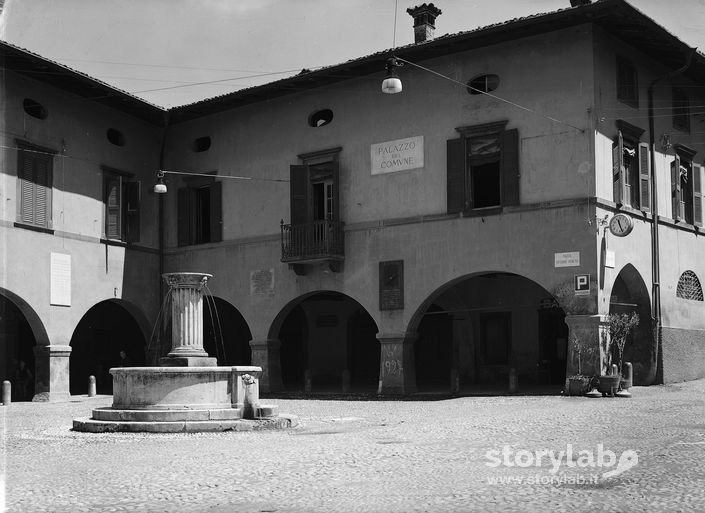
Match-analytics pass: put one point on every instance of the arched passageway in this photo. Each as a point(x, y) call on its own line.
point(17, 342)
point(333, 339)
point(475, 330)
point(104, 332)
point(629, 294)
point(226, 335)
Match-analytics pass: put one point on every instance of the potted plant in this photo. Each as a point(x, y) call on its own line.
point(619, 328)
point(580, 384)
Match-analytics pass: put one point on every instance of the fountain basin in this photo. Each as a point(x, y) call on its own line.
point(185, 399)
point(195, 388)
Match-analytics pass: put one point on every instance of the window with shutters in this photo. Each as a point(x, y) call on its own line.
point(200, 212)
point(686, 187)
point(34, 185)
point(121, 196)
point(483, 168)
point(627, 82)
point(681, 110)
point(631, 168)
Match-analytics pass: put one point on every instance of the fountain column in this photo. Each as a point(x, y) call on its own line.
point(186, 290)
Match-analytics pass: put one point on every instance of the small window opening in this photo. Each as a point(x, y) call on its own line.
point(201, 144)
point(116, 137)
point(320, 118)
point(483, 84)
point(34, 108)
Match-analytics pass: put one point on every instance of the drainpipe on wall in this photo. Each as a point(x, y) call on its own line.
point(655, 248)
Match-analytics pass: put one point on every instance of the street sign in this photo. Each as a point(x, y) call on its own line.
point(582, 284)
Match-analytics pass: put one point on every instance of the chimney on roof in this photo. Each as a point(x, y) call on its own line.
point(578, 3)
point(424, 21)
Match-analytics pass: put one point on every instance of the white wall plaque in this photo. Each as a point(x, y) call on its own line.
point(609, 259)
point(399, 155)
point(60, 282)
point(570, 259)
point(262, 282)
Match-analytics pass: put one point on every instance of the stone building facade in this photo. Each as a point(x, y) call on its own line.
point(482, 221)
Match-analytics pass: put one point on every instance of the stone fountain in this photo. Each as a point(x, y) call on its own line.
point(188, 392)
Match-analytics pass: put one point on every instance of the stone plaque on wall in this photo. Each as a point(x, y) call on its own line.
point(398, 155)
point(262, 282)
point(391, 285)
point(60, 280)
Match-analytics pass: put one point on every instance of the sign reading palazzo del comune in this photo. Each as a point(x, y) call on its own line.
point(399, 155)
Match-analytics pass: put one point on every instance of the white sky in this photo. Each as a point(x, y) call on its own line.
point(140, 45)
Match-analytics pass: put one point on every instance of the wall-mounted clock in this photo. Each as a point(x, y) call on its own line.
point(621, 225)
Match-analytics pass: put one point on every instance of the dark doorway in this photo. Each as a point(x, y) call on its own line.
point(333, 338)
point(363, 351)
point(482, 329)
point(629, 294)
point(226, 335)
point(17, 344)
point(553, 346)
point(293, 336)
point(106, 330)
point(433, 348)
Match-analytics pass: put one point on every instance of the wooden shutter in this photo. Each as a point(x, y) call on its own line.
point(26, 185)
point(113, 207)
point(132, 211)
point(299, 193)
point(183, 219)
point(455, 178)
point(34, 188)
point(216, 211)
point(42, 192)
point(676, 193)
point(334, 167)
point(618, 171)
point(644, 177)
point(697, 195)
point(510, 167)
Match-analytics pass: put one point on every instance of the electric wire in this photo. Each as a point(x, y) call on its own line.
point(581, 130)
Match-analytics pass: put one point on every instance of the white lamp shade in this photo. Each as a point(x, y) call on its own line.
point(160, 188)
point(391, 85)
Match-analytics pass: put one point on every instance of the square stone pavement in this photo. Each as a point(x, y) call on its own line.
point(374, 456)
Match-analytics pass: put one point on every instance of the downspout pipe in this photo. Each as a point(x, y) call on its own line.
point(655, 246)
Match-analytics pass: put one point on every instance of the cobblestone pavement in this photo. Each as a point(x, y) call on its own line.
point(371, 456)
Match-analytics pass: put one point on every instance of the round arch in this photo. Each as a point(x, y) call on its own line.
point(630, 294)
point(473, 330)
point(112, 333)
point(21, 331)
point(330, 338)
point(226, 335)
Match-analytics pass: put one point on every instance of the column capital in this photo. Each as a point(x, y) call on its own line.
point(53, 350)
point(397, 338)
point(265, 343)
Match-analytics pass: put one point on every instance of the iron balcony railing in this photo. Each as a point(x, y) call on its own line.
point(313, 241)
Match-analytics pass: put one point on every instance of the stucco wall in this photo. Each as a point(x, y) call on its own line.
point(76, 129)
point(550, 74)
point(683, 354)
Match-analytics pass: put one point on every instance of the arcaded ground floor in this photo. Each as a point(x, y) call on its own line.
point(373, 456)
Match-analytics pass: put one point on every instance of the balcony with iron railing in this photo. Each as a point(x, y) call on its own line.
point(313, 242)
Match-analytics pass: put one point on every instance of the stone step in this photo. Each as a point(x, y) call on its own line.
point(170, 415)
point(106, 426)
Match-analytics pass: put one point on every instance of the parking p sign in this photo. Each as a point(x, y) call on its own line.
point(582, 284)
